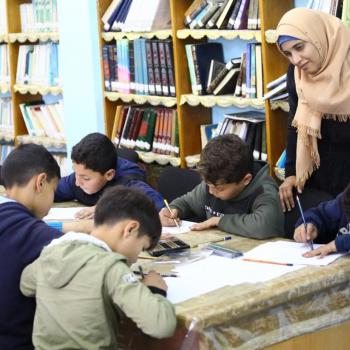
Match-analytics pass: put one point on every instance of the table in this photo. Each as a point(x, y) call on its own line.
point(305, 309)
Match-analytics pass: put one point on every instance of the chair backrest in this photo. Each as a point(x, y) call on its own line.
point(128, 154)
point(173, 182)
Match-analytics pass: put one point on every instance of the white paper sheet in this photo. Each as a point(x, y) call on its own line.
point(215, 272)
point(62, 213)
point(289, 252)
point(184, 227)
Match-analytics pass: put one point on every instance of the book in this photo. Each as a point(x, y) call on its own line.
point(228, 84)
point(207, 133)
point(242, 16)
point(212, 8)
point(277, 81)
point(212, 22)
point(215, 68)
point(259, 72)
point(276, 90)
point(233, 16)
point(232, 63)
point(220, 23)
point(168, 45)
point(195, 8)
point(110, 14)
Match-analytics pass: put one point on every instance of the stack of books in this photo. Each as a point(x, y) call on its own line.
point(4, 152)
point(328, 6)
point(278, 89)
point(4, 65)
point(140, 66)
point(250, 127)
point(136, 16)
point(223, 14)
point(44, 119)
point(147, 129)
point(38, 65)
point(39, 16)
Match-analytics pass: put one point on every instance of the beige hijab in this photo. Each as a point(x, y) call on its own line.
point(325, 94)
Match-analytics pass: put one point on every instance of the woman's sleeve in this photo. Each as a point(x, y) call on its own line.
point(291, 132)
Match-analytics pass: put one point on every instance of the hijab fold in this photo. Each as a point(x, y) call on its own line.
point(324, 94)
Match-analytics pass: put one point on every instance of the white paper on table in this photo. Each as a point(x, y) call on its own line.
point(62, 213)
point(215, 272)
point(184, 227)
point(289, 252)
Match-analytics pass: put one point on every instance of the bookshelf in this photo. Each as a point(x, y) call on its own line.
point(44, 34)
point(193, 110)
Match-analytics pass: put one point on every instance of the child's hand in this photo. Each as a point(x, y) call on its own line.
point(322, 251)
point(87, 213)
point(303, 237)
point(167, 218)
point(212, 222)
point(154, 279)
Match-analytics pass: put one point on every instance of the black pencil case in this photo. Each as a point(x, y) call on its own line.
point(168, 246)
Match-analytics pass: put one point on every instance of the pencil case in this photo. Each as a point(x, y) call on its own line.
point(168, 246)
point(224, 251)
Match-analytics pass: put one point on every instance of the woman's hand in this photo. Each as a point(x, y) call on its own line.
point(286, 193)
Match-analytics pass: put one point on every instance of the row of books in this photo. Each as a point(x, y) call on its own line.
point(147, 129)
point(38, 65)
point(6, 118)
point(4, 64)
point(5, 151)
point(3, 17)
point(137, 16)
point(44, 119)
point(328, 6)
point(39, 16)
point(140, 66)
point(250, 127)
point(223, 14)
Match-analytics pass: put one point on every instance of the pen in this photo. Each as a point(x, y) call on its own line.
point(267, 262)
point(163, 274)
point(141, 272)
point(226, 238)
point(168, 207)
point(303, 218)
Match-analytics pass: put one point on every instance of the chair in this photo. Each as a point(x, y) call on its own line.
point(309, 198)
point(173, 182)
point(1, 181)
point(128, 154)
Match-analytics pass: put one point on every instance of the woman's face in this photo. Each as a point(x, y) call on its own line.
point(302, 54)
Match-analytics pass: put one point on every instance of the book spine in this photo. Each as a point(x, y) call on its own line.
point(156, 67)
point(196, 70)
point(131, 66)
point(163, 68)
point(216, 81)
point(106, 65)
point(168, 45)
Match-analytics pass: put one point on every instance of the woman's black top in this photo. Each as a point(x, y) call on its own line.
point(334, 148)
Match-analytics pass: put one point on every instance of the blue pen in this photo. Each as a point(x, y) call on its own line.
point(303, 218)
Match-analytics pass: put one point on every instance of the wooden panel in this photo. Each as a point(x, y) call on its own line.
point(336, 338)
point(274, 65)
point(13, 16)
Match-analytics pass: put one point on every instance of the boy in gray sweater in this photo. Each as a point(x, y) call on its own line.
point(236, 194)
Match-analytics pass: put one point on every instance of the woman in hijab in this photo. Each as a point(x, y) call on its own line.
point(318, 144)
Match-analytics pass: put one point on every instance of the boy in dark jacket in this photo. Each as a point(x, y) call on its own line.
point(234, 195)
point(97, 167)
point(30, 176)
point(328, 221)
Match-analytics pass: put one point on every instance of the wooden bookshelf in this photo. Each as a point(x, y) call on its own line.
point(196, 110)
point(25, 93)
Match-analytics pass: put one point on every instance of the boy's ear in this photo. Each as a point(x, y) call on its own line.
point(40, 181)
point(109, 174)
point(131, 228)
point(247, 179)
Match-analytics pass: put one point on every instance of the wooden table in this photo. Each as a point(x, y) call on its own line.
point(305, 309)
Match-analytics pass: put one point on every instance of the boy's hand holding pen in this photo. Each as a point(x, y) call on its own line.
point(169, 216)
point(153, 279)
point(305, 236)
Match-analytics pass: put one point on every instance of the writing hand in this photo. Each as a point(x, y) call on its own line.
point(302, 236)
point(154, 279)
point(167, 218)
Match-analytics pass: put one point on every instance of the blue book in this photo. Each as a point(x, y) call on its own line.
point(144, 66)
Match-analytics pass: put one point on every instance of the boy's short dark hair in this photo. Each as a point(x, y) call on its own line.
point(119, 203)
point(225, 159)
point(96, 152)
point(26, 161)
point(346, 202)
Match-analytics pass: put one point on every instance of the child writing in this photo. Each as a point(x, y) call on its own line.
point(30, 175)
point(329, 221)
point(97, 167)
point(82, 282)
point(234, 196)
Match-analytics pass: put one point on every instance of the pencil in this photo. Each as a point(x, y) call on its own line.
point(267, 262)
point(304, 221)
point(163, 274)
point(168, 207)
